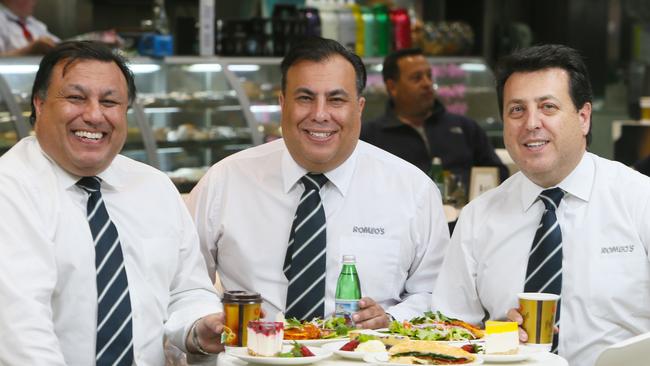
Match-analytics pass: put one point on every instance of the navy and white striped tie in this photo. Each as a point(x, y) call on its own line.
point(114, 328)
point(544, 272)
point(304, 264)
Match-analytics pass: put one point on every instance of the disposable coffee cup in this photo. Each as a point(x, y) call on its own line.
point(240, 307)
point(538, 310)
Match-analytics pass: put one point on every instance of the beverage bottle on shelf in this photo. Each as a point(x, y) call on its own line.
point(358, 20)
point(347, 26)
point(312, 21)
point(436, 173)
point(401, 28)
point(369, 35)
point(160, 21)
point(383, 29)
point(348, 290)
point(329, 19)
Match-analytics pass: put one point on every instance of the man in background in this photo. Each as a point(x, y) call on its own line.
point(569, 223)
point(100, 259)
point(20, 33)
point(417, 127)
point(277, 218)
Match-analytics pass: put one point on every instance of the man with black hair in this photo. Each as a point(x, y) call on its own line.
point(569, 223)
point(100, 259)
point(417, 127)
point(258, 235)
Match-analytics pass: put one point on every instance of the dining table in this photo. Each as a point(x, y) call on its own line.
point(539, 359)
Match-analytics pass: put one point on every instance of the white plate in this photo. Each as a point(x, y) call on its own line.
point(242, 354)
point(315, 342)
point(381, 359)
point(353, 355)
point(523, 354)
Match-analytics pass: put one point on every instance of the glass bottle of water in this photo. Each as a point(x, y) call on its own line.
point(436, 173)
point(348, 290)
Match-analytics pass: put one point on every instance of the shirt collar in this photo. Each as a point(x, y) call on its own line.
point(340, 176)
point(111, 178)
point(579, 183)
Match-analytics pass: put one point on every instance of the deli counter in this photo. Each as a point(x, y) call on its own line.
point(191, 112)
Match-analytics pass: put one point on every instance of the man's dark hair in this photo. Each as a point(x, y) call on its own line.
point(319, 49)
point(70, 52)
point(390, 70)
point(546, 57)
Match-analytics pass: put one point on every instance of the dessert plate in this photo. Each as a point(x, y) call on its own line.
point(242, 354)
point(315, 342)
point(381, 359)
point(353, 355)
point(523, 354)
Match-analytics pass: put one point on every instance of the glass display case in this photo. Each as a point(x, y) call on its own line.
point(14, 118)
point(196, 113)
point(190, 112)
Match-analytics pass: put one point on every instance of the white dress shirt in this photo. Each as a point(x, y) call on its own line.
point(378, 207)
point(48, 294)
point(604, 219)
point(11, 34)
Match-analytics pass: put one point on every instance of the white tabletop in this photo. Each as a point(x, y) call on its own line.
point(543, 359)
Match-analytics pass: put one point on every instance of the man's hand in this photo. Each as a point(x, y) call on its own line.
point(208, 330)
point(514, 316)
point(370, 315)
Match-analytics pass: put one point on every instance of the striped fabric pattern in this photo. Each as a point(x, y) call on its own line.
point(114, 326)
point(304, 264)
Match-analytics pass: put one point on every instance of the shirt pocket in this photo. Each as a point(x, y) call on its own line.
point(619, 286)
point(378, 265)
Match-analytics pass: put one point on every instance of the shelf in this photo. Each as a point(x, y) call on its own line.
point(201, 144)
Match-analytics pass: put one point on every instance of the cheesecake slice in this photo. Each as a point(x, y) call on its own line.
point(501, 337)
point(264, 338)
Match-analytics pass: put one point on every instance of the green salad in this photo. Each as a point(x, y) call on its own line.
point(432, 327)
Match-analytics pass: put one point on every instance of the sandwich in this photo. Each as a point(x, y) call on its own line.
point(428, 353)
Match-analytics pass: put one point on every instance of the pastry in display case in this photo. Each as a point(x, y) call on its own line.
point(261, 82)
point(8, 129)
point(14, 106)
point(195, 113)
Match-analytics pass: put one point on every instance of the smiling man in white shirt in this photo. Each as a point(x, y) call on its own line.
point(603, 212)
point(377, 207)
point(100, 259)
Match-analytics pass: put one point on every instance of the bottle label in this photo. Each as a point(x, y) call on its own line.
point(345, 309)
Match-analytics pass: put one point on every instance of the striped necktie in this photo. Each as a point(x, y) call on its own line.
point(114, 329)
point(544, 272)
point(304, 264)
